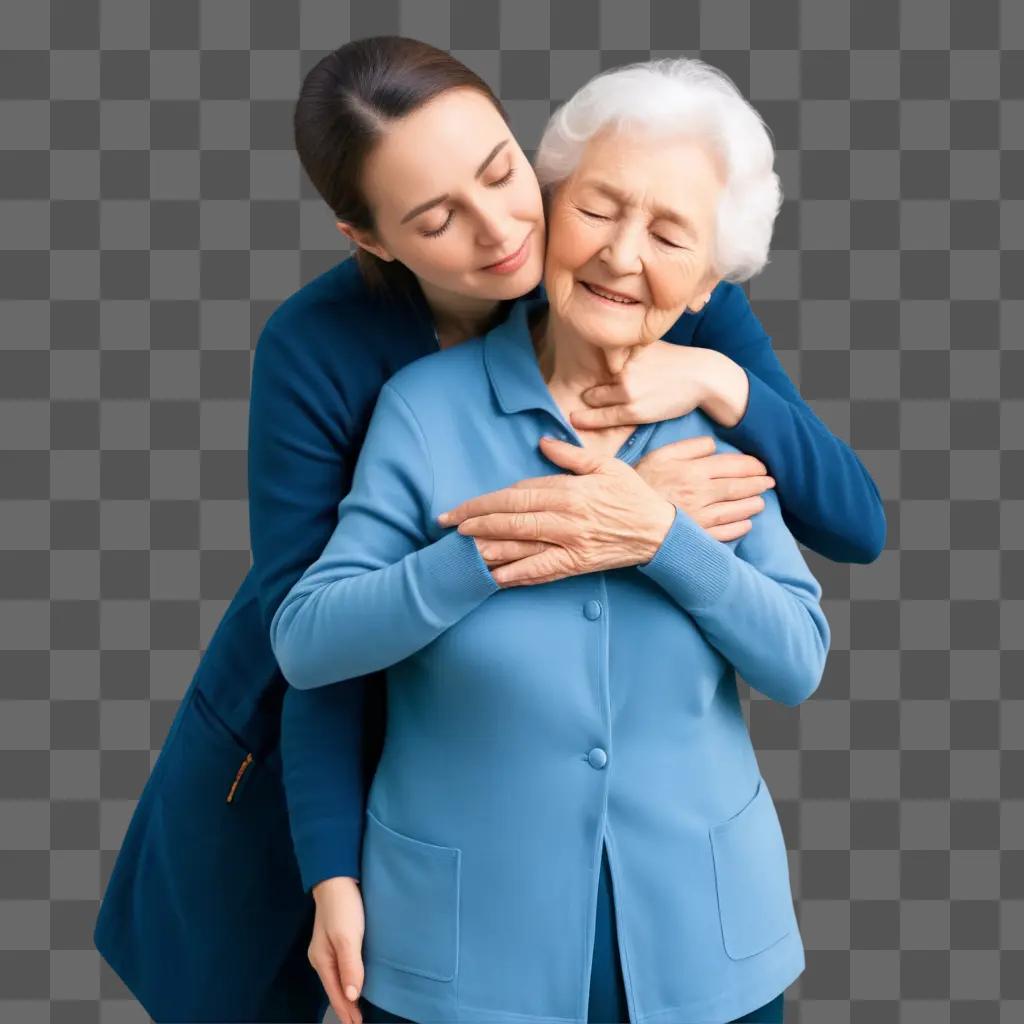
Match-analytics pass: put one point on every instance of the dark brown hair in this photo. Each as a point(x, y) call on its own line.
point(345, 105)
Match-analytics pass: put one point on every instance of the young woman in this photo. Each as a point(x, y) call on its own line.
point(205, 915)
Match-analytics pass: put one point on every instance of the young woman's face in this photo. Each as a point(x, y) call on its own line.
point(453, 195)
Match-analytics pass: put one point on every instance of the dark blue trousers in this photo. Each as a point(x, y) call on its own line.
point(607, 989)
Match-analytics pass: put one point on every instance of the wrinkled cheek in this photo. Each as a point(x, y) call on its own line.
point(657, 322)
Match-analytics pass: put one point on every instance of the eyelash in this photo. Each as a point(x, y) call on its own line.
point(664, 241)
point(444, 227)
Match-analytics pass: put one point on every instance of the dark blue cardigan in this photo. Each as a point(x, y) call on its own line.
point(319, 365)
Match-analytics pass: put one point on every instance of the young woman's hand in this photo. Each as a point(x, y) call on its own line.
point(719, 490)
point(336, 949)
point(661, 381)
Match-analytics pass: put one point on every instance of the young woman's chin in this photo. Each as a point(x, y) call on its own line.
point(518, 280)
point(514, 287)
point(488, 285)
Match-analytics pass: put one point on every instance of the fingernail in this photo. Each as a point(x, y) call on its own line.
point(443, 517)
point(351, 991)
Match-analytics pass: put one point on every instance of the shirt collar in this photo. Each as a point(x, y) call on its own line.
point(511, 362)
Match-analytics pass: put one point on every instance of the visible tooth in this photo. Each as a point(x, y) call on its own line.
point(612, 298)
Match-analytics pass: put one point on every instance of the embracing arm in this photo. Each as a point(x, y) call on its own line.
point(829, 500)
point(757, 604)
point(300, 457)
point(381, 589)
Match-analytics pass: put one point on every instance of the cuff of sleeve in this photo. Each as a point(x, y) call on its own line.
point(327, 849)
point(691, 564)
point(758, 418)
point(455, 576)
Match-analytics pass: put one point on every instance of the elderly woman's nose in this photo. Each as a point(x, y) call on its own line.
point(621, 254)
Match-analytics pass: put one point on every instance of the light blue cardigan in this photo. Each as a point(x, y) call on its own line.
point(529, 725)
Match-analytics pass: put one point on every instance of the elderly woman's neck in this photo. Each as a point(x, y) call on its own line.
point(569, 363)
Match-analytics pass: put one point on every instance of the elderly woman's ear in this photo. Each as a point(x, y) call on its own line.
point(703, 294)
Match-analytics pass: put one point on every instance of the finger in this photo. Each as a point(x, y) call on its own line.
point(498, 552)
point(731, 530)
point(606, 394)
point(577, 459)
point(686, 448)
point(326, 966)
point(606, 416)
point(525, 496)
point(350, 969)
point(528, 526)
point(735, 487)
point(736, 464)
point(721, 513)
point(534, 568)
point(539, 580)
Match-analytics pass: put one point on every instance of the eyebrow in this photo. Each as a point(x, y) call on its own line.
point(661, 212)
point(423, 207)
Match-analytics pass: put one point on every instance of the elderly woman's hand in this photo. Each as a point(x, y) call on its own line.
point(720, 491)
point(608, 517)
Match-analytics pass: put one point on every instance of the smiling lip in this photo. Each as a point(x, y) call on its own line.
point(610, 291)
point(513, 261)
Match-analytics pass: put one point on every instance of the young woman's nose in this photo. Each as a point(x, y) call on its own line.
point(492, 224)
point(491, 232)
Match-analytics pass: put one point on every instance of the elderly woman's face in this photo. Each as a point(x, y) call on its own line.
point(636, 218)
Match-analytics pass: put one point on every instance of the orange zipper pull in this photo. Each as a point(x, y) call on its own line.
point(246, 761)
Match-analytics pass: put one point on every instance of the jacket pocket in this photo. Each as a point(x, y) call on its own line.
point(411, 895)
point(211, 748)
point(752, 877)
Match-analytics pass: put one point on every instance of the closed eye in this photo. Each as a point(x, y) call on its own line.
point(506, 179)
point(451, 213)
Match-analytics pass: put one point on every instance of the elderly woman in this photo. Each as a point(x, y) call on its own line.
point(535, 733)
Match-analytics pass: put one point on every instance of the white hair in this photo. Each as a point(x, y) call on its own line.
point(681, 96)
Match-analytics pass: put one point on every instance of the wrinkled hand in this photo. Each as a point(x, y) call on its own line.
point(720, 491)
point(336, 949)
point(659, 381)
point(606, 517)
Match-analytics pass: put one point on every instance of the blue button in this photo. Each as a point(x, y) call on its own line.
point(631, 440)
point(597, 758)
point(592, 609)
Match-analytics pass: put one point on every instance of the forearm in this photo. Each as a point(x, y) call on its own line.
point(325, 736)
point(775, 636)
point(726, 389)
point(338, 622)
point(830, 501)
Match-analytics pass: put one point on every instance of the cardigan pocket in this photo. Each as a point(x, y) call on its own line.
point(411, 895)
point(755, 902)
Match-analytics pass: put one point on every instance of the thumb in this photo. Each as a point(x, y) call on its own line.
point(350, 970)
point(568, 455)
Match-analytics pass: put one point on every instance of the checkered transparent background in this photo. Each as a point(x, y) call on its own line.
point(153, 213)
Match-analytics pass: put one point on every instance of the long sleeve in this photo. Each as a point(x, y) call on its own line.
point(830, 502)
point(381, 589)
point(757, 604)
point(299, 463)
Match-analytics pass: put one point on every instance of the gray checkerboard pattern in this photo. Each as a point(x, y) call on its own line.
point(153, 213)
